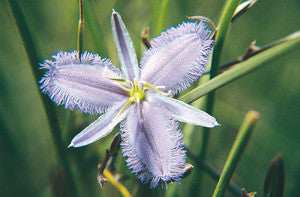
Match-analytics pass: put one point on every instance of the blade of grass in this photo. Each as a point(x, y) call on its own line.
point(34, 59)
point(243, 68)
point(223, 27)
point(214, 174)
point(236, 152)
point(80, 27)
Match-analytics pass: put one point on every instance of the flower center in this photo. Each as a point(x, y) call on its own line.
point(136, 92)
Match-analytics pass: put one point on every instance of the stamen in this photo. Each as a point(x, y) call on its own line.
point(123, 87)
point(136, 83)
point(117, 80)
point(120, 80)
point(160, 87)
point(156, 89)
point(130, 100)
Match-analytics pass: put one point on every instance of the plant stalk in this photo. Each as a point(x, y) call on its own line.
point(236, 152)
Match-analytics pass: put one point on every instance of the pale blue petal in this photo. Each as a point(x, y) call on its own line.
point(100, 127)
point(182, 111)
point(82, 85)
point(152, 144)
point(177, 57)
point(125, 47)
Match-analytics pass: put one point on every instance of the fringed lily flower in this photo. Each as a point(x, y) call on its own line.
point(138, 96)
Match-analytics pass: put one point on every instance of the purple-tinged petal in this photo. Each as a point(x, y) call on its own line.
point(182, 111)
point(152, 144)
point(100, 127)
point(127, 55)
point(177, 57)
point(82, 85)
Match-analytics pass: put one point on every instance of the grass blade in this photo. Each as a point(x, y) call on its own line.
point(232, 188)
point(236, 152)
point(80, 27)
point(223, 27)
point(243, 68)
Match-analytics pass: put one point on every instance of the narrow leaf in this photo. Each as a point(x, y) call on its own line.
point(212, 173)
point(236, 152)
point(223, 27)
point(80, 27)
point(242, 69)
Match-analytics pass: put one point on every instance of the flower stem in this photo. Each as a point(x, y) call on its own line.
point(118, 185)
point(236, 152)
point(214, 174)
point(223, 27)
point(243, 68)
point(34, 59)
point(80, 27)
point(232, 188)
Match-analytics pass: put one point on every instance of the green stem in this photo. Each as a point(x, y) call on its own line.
point(34, 59)
point(191, 136)
point(236, 152)
point(243, 68)
point(188, 129)
point(80, 26)
point(223, 27)
point(214, 174)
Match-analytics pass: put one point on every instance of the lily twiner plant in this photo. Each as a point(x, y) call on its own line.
point(140, 97)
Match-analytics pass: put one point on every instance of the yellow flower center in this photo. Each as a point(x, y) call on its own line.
point(137, 93)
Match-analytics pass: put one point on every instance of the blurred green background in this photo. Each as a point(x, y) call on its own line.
point(29, 164)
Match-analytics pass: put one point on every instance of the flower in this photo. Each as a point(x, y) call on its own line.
point(138, 97)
